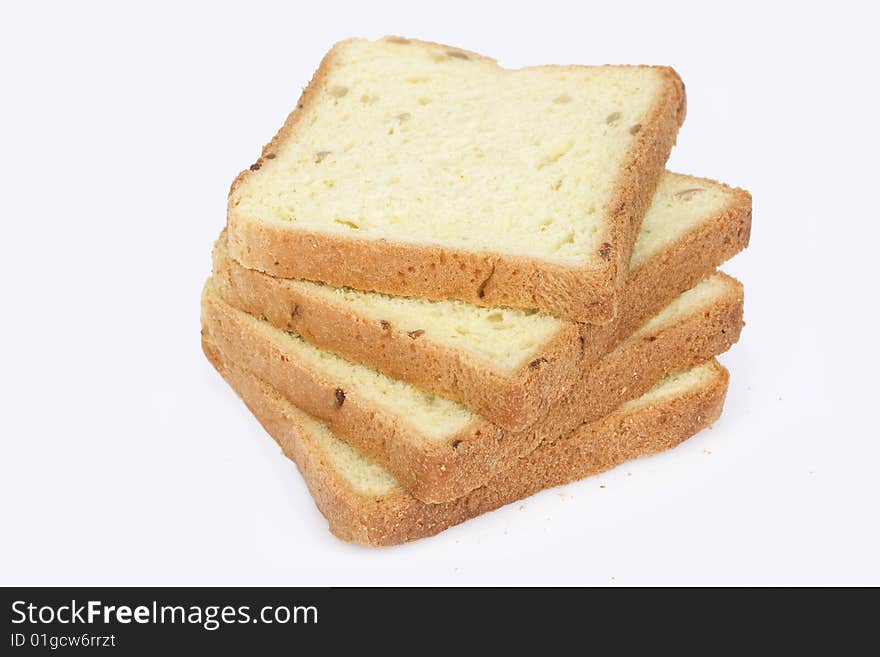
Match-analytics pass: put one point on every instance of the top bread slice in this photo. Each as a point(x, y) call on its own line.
point(418, 169)
point(505, 364)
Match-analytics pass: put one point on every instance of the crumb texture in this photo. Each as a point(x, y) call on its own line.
point(504, 337)
point(680, 204)
point(424, 144)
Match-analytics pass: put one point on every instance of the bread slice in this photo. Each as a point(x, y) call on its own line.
point(505, 364)
point(365, 504)
point(418, 169)
point(437, 448)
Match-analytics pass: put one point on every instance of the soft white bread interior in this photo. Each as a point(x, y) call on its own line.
point(434, 172)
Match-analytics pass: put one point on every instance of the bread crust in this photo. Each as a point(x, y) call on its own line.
point(439, 471)
point(587, 293)
point(398, 517)
point(510, 399)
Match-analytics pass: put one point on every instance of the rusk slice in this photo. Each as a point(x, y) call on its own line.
point(436, 448)
point(418, 169)
point(364, 503)
point(507, 365)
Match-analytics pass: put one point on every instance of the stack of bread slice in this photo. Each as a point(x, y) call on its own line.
point(445, 286)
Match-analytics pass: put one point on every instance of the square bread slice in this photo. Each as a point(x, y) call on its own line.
point(417, 169)
point(436, 448)
point(364, 503)
point(506, 364)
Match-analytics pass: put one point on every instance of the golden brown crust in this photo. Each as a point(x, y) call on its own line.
point(624, 434)
point(588, 293)
point(688, 259)
point(635, 187)
point(440, 471)
point(511, 400)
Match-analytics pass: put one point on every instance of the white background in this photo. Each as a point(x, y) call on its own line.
point(126, 459)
